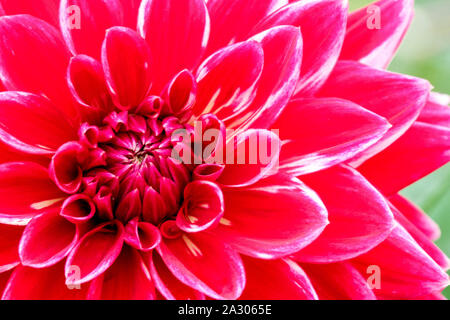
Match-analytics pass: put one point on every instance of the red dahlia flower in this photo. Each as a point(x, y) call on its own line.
point(94, 205)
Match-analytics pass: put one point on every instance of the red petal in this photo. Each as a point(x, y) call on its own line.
point(202, 208)
point(356, 224)
point(26, 64)
point(249, 157)
point(232, 20)
point(25, 190)
point(396, 97)
point(41, 284)
point(338, 281)
point(372, 45)
point(78, 208)
point(406, 271)
point(88, 85)
point(322, 23)
point(143, 236)
point(84, 29)
point(282, 60)
point(276, 280)
point(47, 239)
point(219, 90)
point(95, 252)
point(45, 9)
point(169, 286)
point(127, 279)
point(424, 148)
point(9, 246)
point(436, 111)
point(205, 264)
point(177, 32)
point(422, 240)
point(416, 216)
point(130, 10)
point(65, 168)
point(126, 62)
point(32, 124)
point(272, 218)
point(319, 133)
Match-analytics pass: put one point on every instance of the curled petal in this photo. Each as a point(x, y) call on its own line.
point(95, 252)
point(78, 209)
point(180, 95)
point(65, 168)
point(202, 208)
point(143, 236)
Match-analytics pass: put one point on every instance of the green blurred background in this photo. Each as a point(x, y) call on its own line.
point(425, 53)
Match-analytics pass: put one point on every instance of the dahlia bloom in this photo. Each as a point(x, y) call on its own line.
point(94, 206)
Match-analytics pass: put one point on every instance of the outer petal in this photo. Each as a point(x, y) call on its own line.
point(276, 280)
point(416, 216)
point(319, 133)
point(84, 28)
point(422, 240)
point(219, 90)
point(192, 259)
point(356, 225)
point(232, 20)
point(177, 32)
point(406, 271)
point(436, 111)
point(95, 252)
point(9, 246)
point(25, 190)
point(249, 157)
point(126, 62)
point(424, 148)
point(168, 285)
point(398, 98)
point(338, 281)
point(26, 64)
point(32, 124)
point(322, 23)
point(47, 239)
point(127, 279)
point(376, 45)
point(274, 217)
point(45, 9)
point(282, 60)
point(41, 284)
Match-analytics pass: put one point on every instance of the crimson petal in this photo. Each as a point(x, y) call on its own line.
point(376, 45)
point(177, 32)
point(356, 226)
point(271, 218)
point(319, 133)
point(9, 246)
point(192, 257)
point(397, 98)
point(45, 9)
